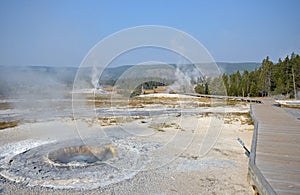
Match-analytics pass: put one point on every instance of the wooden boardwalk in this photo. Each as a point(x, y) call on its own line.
point(244, 99)
point(274, 165)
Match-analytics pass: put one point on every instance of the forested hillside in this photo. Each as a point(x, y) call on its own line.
point(281, 78)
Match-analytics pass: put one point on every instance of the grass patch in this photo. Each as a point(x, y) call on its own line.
point(162, 126)
point(244, 118)
point(141, 102)
point(4, 125)
point(5, 106)
point(108, 121)
point(159, 129)
point(290, 106)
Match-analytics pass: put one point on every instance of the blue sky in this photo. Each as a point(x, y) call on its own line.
point(61, 32)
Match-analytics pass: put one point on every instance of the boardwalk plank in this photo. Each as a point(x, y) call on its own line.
point(276, 149)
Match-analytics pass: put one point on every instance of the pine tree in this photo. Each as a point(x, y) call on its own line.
point(226, 84)
point(265, 76)
point(279, 86)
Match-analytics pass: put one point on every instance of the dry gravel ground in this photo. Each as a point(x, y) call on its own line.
point(190, 161)
point(223, 170)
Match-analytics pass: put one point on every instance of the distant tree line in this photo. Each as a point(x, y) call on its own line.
point(281, 78)
point(134, 86)
point(145, 86)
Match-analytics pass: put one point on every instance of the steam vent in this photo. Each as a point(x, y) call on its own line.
point(69, 164)
point(82, 155)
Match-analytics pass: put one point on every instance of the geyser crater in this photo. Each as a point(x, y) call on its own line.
point(82, 155)
point(72, 164)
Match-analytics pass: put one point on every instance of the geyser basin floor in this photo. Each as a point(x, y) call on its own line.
point(222, 171)
point(67, 165)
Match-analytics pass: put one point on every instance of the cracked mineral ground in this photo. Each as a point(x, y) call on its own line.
point(152, 144)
